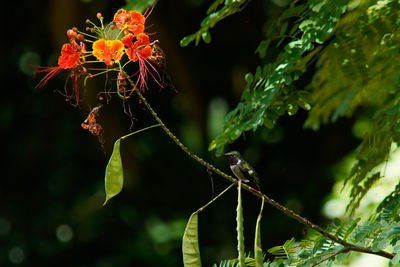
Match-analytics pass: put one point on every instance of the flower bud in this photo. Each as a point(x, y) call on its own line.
point(80, 37)
point(99, 15)
point(72, 34)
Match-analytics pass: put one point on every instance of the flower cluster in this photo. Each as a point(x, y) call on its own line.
point(111, 48)
point(125, 35)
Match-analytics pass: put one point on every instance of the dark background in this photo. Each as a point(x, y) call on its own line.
point(52, 181)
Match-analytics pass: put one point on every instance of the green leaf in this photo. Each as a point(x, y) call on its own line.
point(214, 6)
point(206, 37)
point(139, 5)
point(396, 259)
point(249, 78)
point(190, 243)
point(187, 40)
point(258, 254)
point(263, 47)
point(283, 28)
point(114, 178)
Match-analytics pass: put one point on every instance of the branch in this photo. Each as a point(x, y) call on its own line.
point(343, 250)
point(288, 212)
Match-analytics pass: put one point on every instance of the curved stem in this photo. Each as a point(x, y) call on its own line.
point(138, 131)
point(287, 211)
point(215, 198)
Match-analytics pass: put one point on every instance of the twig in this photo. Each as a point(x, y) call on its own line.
point(343, 250)
point(288, 212)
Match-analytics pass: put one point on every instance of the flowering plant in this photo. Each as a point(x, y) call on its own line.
point(107, 48)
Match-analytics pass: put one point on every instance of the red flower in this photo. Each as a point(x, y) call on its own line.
point(130, 22)
point(139, 49)
point(70, 58)
point(109, 51)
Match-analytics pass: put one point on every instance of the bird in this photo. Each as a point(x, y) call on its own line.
point(241, 168)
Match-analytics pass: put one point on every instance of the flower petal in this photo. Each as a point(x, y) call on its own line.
point(108, 51)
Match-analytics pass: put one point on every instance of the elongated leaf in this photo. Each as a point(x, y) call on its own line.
point(258, 254)
point(114, 179)
point(239, 229)
point(190, 243)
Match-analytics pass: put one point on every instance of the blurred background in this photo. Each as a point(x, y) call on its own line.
point(52, 182)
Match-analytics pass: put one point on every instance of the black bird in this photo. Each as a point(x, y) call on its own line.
point(241, 168)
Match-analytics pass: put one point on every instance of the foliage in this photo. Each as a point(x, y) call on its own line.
point(380, 232)
point(230, 7)
point(270, 91)
point(354, 47)
point(139, 5)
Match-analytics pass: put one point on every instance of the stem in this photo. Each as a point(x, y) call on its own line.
point(138, 131)
point(343, 250)
point(215, 198)
point(178, 142)
point(288, 212)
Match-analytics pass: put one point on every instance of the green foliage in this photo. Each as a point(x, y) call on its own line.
point(114, 178)
point(380, 232)
point(235, 263)
point(230, 7)
point(364, 57)
point(270, 91)
point(139, 5)
point(282, 252)
point(355, 46)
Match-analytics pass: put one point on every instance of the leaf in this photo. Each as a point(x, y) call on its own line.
point(214, 6)
point(249, 78)
point(282, 252)
point(190, 243)
point(187, 40)
point(283, 28)
point(258, 254)
point(263, 47)
point(139, 5)
point(114, 178)
point(396, 259)
point(206, 37)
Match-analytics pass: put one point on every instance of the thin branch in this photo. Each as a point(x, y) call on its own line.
point(343, 250)
point(215, 198)
point(138, 131)
point(288, 212)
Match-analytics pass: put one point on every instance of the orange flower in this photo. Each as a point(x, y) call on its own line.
point(109, 51)
point(139, 49)
point(130, 22)
point(70, 58)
